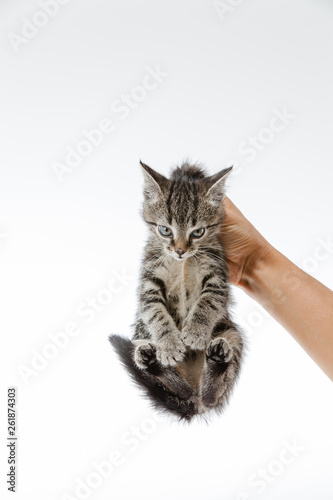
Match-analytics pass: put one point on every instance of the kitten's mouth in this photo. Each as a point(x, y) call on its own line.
point(181, 258)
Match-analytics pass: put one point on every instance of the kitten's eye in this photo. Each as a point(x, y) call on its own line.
point(198, 233)
point(165, 231)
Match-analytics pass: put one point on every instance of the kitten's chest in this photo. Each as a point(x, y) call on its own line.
point(183, 285)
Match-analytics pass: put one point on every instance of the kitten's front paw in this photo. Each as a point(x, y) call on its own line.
point(194, 337)
point(170, 350)
point(145, 356)
point(219, 350)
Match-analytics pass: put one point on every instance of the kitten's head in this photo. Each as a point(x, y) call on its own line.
point(184, 212)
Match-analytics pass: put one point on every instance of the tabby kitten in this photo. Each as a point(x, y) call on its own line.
point(186, 351)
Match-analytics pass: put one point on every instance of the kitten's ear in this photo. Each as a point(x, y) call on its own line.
point(153, 182)
point(216, 190)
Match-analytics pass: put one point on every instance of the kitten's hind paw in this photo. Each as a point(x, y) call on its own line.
point(145, 356)
point(219, 350)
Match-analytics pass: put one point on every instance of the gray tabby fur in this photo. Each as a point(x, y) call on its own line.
point(186, 351)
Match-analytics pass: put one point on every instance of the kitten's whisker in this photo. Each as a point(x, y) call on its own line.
point(213, 255)
point(197, 258)
point(158, 262)
point(162, 258)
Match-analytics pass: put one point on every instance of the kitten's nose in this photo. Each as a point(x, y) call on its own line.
point(180, 252)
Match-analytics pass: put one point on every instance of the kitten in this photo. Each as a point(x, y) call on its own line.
point(186, 351)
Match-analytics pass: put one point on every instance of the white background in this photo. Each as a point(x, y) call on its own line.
point(61, 242)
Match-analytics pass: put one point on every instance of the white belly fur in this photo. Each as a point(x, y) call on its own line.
point(180, 277)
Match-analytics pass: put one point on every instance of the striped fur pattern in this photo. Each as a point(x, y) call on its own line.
point(186, 351)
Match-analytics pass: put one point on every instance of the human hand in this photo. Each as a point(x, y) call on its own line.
point(300, 303)
point(245, 247)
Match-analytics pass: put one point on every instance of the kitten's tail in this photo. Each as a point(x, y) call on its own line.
point(163, 386)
